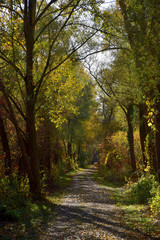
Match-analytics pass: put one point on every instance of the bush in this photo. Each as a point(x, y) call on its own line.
point(115, 151)
point(13, 194)
point(140, 192)
point(112, 175)
point(114, 164)
point(155, 201)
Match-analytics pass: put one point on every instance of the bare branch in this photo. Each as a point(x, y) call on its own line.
point(97, 81)
point(12, 10)
point(20, 6)
point(17, 107)
point(69, 55)
point(40, 7)
point(11, 111)
point(44, 10)
point(99, 51)
point(43, 29)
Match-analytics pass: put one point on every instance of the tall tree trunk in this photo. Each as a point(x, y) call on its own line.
point(70, 149)
point(6, 149)
point(57, 156)
point(143, 130)
point(146, 139)
point(157, 138)
point(69, 144)
point(48, 149)
point(129, 116)
point(32, 151)
point(79, 150)
point(31, 141)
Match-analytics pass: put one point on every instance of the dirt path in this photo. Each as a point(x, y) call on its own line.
point(86, 212)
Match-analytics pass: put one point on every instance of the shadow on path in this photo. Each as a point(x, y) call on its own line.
point(86, 212)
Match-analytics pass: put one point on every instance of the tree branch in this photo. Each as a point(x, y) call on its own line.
point(11, 63)
point(44, 10)
point(43, 29)
point(11, 111)
point(17, 107)
point(12, 10)
point(97, 81)
point(50, 50)
point(98, 51)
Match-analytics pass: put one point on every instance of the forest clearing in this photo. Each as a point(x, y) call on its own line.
point(79, 86)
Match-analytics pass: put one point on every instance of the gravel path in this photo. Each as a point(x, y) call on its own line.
point(86, 212)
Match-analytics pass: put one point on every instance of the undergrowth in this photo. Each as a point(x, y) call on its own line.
point(21, 217)
point(139, 202)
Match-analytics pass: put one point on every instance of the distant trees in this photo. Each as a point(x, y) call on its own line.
point(119, 84)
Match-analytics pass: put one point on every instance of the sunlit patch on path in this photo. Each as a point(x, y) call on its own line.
point(86, 212)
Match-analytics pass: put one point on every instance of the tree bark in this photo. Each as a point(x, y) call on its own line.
point(6, 149)
point(79, 150)
point(129, 116)
point(157, 139)
point(57, 156)
point(31, 141)
point(32, 152)
point(143, 130)
point(69, 149)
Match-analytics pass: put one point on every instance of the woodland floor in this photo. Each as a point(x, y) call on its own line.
point(87, 212)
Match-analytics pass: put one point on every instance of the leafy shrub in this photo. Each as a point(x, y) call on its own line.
point(114, 164)
point(118, 156)
point(54, 175)
point(13, 194)
point(140, 192)
point(112, 175)
point(155, 201)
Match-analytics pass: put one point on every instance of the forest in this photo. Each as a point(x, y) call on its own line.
point(79, 85)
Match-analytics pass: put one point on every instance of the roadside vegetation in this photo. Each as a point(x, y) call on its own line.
point(21, 216)
point(136, 195)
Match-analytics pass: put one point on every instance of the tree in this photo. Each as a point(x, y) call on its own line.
point(142, 27)
point(61, 105)
point(119, 84)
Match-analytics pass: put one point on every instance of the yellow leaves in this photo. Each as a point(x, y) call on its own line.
point(64, 89)
point(148, 168)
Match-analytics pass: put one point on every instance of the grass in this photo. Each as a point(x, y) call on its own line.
point(28, 221)
point(136, 216)
point(102, 181)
